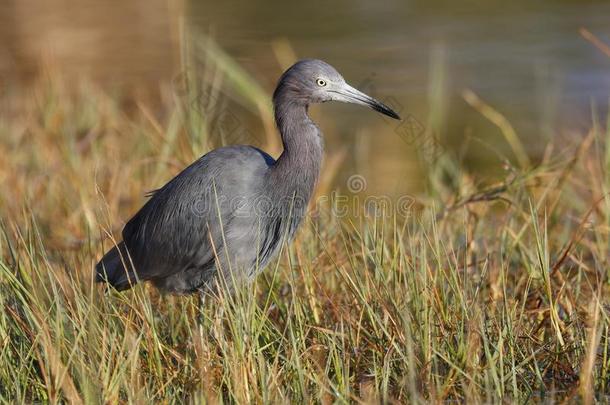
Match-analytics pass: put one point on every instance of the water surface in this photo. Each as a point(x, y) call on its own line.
point(526, 60)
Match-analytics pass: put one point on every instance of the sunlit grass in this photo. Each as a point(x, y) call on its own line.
point(481, 294)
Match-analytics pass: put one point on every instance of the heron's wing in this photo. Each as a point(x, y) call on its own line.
point(182, 225)
point(172, 230)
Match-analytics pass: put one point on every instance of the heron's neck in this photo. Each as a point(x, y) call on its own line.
point(301, 159)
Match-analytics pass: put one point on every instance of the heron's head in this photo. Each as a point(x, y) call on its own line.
point(315, 81)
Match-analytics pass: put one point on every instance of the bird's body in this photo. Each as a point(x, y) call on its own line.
point(229, 212)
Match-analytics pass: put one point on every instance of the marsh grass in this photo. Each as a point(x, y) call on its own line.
point(484, 293)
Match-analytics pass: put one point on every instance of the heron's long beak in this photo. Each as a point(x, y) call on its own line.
point(349, 94)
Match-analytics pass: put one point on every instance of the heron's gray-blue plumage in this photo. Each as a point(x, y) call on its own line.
point(229, 212)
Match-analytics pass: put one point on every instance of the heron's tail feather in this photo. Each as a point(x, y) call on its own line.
point(115, 269)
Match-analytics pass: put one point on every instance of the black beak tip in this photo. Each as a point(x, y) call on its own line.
point(385, 110)
point(394, 115)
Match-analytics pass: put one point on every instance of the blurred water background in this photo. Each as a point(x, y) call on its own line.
point(526, 59)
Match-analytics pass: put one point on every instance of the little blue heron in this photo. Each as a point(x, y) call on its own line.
point(228, 213)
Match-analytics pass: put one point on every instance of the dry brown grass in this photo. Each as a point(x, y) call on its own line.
point(483, 294)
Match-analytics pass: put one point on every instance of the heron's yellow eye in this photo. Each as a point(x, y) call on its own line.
point(321, 82)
